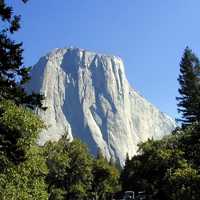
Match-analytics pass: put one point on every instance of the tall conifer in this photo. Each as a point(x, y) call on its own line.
point(189, 99)
point(13, 74)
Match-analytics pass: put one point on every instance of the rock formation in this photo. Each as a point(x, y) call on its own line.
point(88, 96)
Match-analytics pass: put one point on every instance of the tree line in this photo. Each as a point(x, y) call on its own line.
point(165, 169)
point(56, 171)
point(169, 169)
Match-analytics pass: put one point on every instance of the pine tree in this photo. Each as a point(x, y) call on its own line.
point(189, 100)
point(13, 74)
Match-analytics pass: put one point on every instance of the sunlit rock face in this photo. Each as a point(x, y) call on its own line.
point(88, 96)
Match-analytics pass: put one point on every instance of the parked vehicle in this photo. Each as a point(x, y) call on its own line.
point(141, 195)
point(129, 195)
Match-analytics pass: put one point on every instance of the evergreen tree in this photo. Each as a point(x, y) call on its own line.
point(189, 100)
point(13, 74)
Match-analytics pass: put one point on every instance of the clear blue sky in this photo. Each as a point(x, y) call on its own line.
point(149, 35)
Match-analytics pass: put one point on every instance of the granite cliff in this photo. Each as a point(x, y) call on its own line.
point(88, 96)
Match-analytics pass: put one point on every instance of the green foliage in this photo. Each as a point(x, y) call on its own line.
point(105, 178)
point(75, 174)
point(189, 100)
point(13, 75)
point(57, 194)
point(26, 180)
point(185, 181)
point(70, 168)
point(23, 166)
point(163, 169)
point(80, 175)
point(169, 168)
point(19, 130)
point(59, 170)
point(189, 142)
point(57, 159)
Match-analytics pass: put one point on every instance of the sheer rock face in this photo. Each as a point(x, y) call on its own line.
point(89, 97)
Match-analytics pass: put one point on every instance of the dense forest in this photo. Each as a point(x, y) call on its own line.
point(165, 169)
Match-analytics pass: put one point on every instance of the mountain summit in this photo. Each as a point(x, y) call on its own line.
point(88, 96)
